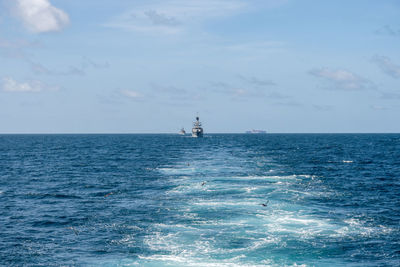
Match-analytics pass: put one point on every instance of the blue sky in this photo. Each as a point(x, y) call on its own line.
point(119, 66)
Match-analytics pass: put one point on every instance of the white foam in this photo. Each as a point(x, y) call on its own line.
point(260, 242)
point(160, 241)
point(251, 189)
point(183, 260)
point(175, 226)
point(192, 244)
point(356, 227)
point(273, 178)
point(182, 189)
point(304, 176)
point(224, 223)
point(216, 203)
point(134, 227)
point(295, 223)
point(126, 240)
point(178, 170)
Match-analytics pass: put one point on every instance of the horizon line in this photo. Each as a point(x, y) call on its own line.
point(172, 133)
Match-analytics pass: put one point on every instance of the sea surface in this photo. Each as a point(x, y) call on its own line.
point(221, 200)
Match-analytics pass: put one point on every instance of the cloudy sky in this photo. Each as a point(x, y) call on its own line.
point(142, 66)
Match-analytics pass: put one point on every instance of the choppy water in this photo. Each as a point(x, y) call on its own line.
point(168, 200)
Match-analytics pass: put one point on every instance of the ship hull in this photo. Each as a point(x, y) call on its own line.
point(197, 132)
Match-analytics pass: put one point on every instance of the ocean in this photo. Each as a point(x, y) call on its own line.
point(221, 200)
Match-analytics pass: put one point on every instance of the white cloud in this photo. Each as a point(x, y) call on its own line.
point(258, 46)
point(160, 19)
point(390, 95)
point(322, 107)
point(388, 30)
point(172, 16)
point(16, 48)
point(180, 16)
point(256, 81)
point(41, 69)
point(387, 66)
point(33, 86)
point(342, 79)
point(40, 15)
point(252, 87)
point(91, 63)
point(168, 90)
point(71, 70)
point(234, 91)
point(132, 94)
point(377, 107)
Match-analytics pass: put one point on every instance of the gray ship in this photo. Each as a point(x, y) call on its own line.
point(256, 132)
point(197, 131)
point(182, 131)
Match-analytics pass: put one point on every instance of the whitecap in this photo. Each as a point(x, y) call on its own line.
point(354, 227)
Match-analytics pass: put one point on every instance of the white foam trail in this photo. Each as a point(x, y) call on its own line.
point(205, 242)
point(354, 227)
point(178, 170)
point(182, 260)
point(175, 226)
point(264, 177)
point(223, 203)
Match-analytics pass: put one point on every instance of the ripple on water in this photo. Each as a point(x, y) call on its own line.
point(227, 200)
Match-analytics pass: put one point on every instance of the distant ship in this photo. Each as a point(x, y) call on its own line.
point(197, 131)
point(182, 131)
point(256, 132)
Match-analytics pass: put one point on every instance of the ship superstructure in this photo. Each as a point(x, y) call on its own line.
point(197, 131)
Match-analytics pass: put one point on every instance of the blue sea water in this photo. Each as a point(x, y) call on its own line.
point(169, 200)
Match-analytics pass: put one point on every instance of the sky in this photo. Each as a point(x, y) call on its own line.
point(143, 66)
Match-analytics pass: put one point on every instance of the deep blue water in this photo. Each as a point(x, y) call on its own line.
point(169, 200)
